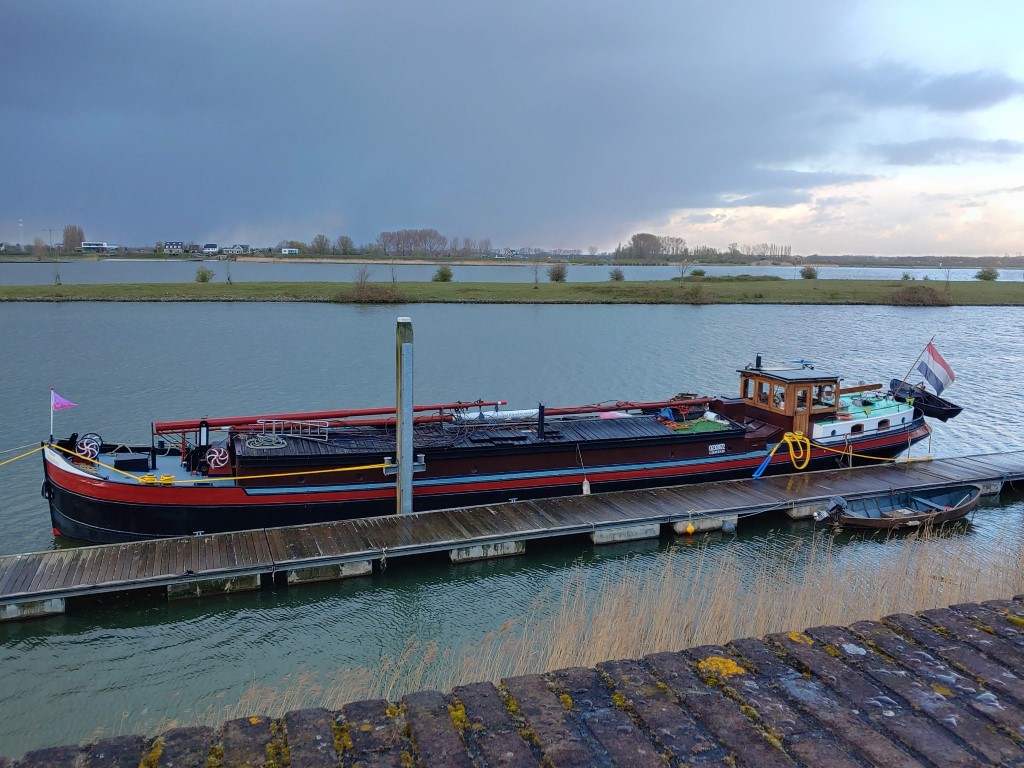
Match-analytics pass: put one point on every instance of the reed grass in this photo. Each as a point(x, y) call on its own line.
point(687, 596)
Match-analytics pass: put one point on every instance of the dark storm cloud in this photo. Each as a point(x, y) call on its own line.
point(532, 123)
point(945, 151)
point(897, 85)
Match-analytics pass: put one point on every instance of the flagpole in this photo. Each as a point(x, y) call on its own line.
point(919, 356)
point(51, 414)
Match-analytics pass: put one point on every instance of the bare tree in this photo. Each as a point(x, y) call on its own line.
point(73, 237)
point(39, 248)
point(362, 276)
point(344, 245)
point(592, 250)
point(320, 244)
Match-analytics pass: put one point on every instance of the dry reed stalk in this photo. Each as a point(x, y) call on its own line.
point(684, 598)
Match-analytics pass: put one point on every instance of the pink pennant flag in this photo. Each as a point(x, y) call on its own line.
point(58, 403)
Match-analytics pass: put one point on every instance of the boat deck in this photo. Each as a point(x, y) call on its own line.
point(470, 435)
point(863, 407)
point(36, 578)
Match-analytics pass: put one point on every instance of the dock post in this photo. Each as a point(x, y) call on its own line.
point(403, 413)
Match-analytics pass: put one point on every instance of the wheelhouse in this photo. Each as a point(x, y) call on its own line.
point(792, 398)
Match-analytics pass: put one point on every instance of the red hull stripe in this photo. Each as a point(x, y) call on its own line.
point(157, 495)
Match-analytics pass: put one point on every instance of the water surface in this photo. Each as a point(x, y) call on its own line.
point(130, 364)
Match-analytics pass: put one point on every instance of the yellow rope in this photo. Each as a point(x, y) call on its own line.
point(193, 481)
point(22, 456)
point(799, 449)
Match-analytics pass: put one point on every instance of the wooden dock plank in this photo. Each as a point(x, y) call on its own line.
point(48, 569)
point(92, 566)
point(128, 557)
point(101, 568)
point(12, 565)
point(77, 570)
point(43, 566)
point(242, 549)
point(68, 559)
point(108, 559)
point(146, 561)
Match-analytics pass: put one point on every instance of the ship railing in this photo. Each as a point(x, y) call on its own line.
point(314, 430)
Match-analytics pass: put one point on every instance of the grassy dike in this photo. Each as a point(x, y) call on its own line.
point(708, 290)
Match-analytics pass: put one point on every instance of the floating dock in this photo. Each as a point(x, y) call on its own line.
point(40, 583)
point(944, 689)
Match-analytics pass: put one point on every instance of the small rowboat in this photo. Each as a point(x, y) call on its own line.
point(909, 509)
point(929, 404)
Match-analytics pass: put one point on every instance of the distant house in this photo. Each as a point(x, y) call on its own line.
point(289, 251)
point(211, 249)
point(237, 250)
point(174, 247)
point(88, 247)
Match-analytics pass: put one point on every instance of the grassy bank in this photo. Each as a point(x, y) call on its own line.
point(689, 596)
point(689, 291)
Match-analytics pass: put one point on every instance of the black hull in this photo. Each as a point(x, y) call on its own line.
point(932, 406)
point(104, 522)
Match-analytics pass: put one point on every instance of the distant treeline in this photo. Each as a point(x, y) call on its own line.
point(642, 248)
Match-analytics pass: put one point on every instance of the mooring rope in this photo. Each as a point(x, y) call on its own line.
point(22, 456)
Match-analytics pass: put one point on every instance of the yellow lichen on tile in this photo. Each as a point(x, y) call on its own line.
point(800, 637)
point(342, 739)
point(457, 712)
point(719, 667)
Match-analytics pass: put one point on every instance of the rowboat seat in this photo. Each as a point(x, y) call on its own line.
point(900, 513)
point(927, 503)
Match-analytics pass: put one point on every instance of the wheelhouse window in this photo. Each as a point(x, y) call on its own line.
point(823, 397)
point(763, 392)
point(801, 399)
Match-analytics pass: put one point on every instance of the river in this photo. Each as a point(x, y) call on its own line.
point(133, 662)
point(178, 271)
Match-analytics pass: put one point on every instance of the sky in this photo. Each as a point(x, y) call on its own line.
point(855, 127)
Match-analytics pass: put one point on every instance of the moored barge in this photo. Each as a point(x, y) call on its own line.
point(214, 475)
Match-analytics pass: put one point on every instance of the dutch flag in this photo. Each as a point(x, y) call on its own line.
point(935, 369)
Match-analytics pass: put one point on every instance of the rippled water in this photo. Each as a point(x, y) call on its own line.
point(127, 365)
point(152, 271)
